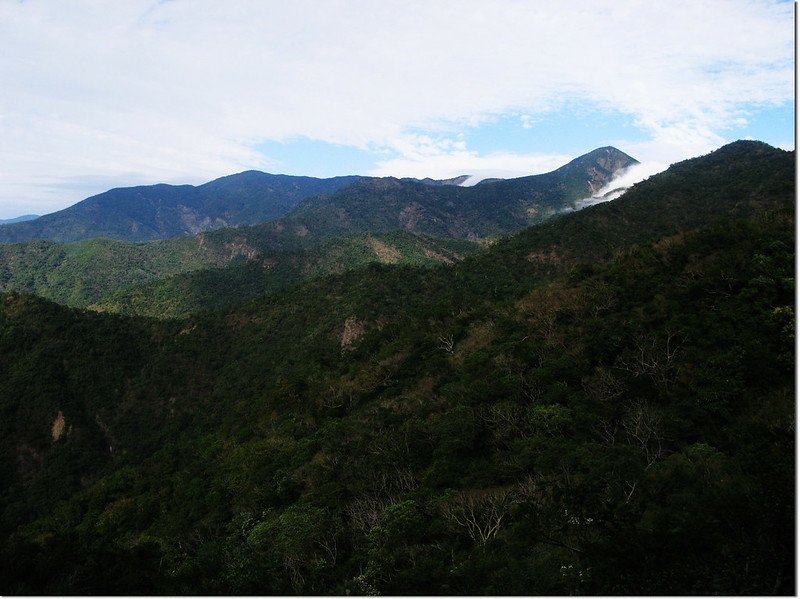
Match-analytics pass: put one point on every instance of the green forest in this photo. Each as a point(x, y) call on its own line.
point(602, 403)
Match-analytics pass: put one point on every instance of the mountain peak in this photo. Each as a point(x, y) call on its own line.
point(598, 166)
point(608, 157)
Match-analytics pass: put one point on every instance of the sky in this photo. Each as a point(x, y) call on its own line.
point(95, 95)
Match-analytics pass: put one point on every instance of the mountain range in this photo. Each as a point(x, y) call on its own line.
point(579, 402)
point(18, 219)
point(162, 211)
point(99, 271)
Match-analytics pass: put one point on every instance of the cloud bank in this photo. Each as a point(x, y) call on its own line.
point(183, 91)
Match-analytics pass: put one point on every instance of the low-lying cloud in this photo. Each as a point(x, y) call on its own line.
point(620, 183)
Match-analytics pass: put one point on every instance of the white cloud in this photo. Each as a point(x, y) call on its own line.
point(185, 90)
point(621, 182)
point(632, 175)
point(498, 164)
point(443, 157)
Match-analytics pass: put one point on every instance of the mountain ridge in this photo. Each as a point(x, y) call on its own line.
point(476, 213)
point(18, 219)
point(87, 271)
point(160, 211)
point(134, 275)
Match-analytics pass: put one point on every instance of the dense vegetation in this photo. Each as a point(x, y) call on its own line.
point(603, 404)
point(80, 273)
point(158, 278)
point(243, 279)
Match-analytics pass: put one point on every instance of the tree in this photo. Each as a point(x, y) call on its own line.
point(480, 513)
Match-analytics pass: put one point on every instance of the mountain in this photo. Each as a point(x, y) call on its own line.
point(163, 211)
point(602, 404)
point(739, 180)
point(553, 247)
point(579, 178)
point(80, 273)
point(92, 271)
point(483, 211)
point(18, 219)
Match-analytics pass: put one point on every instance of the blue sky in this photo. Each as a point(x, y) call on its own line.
point(184, 91)
point(568, 132)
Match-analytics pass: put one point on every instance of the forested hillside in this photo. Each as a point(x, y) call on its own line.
point(601, 404)
point(231, 264)
point(243, 279)
point(325, 234)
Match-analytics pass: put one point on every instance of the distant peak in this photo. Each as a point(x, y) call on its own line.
point(608, 159)
point(18, 219)
point(609, 151)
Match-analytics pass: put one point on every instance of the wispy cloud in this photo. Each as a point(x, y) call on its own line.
point(622, 181)
point(417, 155)
point(184, 91)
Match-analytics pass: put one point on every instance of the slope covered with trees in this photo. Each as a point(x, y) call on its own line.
point(156, 278)
point(736, 180)
point(579, 410)
point(243, 279)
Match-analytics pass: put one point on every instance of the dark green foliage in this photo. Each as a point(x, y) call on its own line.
point(177, 277)
point(81, 273)
point(189, 293)
point(593, 411)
